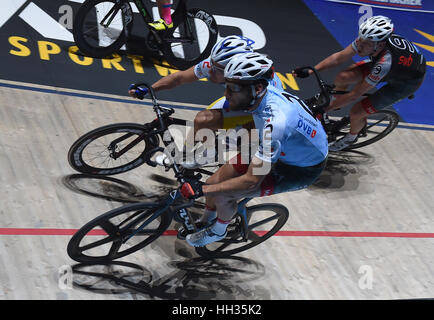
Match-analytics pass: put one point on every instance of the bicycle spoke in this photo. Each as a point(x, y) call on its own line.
point(109, 227)
point(253, 236)
point(114, 249)
point(376, 123)
point(96, 244)
point(252, 226)
point(235, 242)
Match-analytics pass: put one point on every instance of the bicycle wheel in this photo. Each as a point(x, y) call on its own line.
point(264, 220)
point(379, 125)
point(191, 40)
point(95, 152)
point(106, 237)
point(100, 27)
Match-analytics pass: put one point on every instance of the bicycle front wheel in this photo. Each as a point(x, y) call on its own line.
point(191, 40)
point(100, 27)
point(111, 149)
point(264, 220)
point(110, 236)
point(379, 125)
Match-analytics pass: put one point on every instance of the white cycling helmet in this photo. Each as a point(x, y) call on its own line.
point(252, 67)
point(376, 28)
point(249, 66)
point(229, 46)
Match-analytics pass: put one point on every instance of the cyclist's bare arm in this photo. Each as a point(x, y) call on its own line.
point(350, 97)
point(333, 60)
point(336, 58)
point(248, 181)
point(172, 80)
point(175, 79)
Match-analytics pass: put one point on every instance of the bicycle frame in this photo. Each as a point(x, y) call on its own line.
point(123, 5)
point(181, 212)
point(185, 217)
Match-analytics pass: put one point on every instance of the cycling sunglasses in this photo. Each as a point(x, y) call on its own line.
point(233, 87)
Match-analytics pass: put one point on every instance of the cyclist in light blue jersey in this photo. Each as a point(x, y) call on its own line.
point(217, 115)
point(291, 155)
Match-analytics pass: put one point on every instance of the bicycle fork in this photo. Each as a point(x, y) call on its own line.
point(242, 211)
point(181, 214)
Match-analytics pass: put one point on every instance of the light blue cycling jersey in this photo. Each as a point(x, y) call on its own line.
point(203, 69)
point(287, 131)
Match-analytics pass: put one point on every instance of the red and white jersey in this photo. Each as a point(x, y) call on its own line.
point(400, 60)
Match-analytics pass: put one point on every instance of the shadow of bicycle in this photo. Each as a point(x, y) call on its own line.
point(343, 170)
point(192, 279)
point(114, 189)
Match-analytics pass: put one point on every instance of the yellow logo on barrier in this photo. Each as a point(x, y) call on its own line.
point(424, 46)
point(47, 49)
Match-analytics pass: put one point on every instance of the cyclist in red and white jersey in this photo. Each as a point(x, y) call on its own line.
point(392, 59)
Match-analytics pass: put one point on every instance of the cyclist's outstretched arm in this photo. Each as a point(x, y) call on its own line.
point(168, 82)
point(175, 79)
point(336, 58)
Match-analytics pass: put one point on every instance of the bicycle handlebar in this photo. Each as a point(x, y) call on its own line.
point(161, 113)
point(325, 88)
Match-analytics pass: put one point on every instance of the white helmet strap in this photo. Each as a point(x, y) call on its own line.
point(256, 96)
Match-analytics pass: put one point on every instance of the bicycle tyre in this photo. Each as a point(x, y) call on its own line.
point(392, 120)
point(208, 22)
point(221, 249)
point(80, 164)
point(115, 234)
point(93, 48)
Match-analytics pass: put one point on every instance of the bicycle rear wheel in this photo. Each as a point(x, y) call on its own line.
point(379, 125)
point(191, 40)
point(264, 220)
point(107, 237)
point(95, 152)
point(100, 27)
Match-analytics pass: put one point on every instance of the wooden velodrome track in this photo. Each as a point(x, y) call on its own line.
point(365, 230)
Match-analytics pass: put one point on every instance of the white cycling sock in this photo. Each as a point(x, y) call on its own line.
point(350, 137)
point(209, 215)
point(219, 227)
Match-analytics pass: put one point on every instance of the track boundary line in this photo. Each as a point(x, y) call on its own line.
point(122, 99)
point(281, 233)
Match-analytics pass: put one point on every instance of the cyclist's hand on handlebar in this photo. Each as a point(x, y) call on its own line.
point(137, 92)
point(192, 189)
point(301, 73)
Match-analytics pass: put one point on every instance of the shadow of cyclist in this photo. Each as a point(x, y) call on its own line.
point(343, 170)
point(192, 279)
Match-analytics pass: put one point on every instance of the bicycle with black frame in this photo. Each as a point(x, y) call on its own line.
point(378, 125)
point(102, 27)
point(124, 230)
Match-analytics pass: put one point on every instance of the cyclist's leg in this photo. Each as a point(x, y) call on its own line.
point(225, 172)
point(386, 96)
point(282, 178)
point(164, 9)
